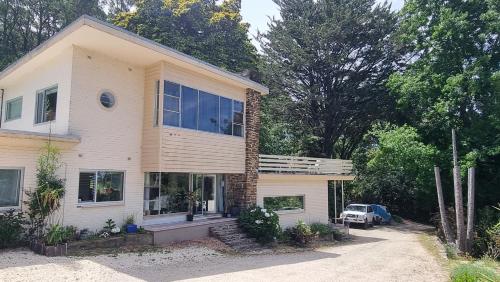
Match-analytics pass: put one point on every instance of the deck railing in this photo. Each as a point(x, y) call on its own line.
point(303, 165)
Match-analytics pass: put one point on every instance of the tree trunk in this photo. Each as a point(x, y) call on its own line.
point(459, 207)
point(470, 207)
point(442, 208)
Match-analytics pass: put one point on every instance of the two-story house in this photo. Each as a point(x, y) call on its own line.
point(140, 125)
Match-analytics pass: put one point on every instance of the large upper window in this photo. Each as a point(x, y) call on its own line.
point(284, 203)
point(13, 108)
point(100, 186)
point(46, 103)
point(10, 187)
point(194, 109)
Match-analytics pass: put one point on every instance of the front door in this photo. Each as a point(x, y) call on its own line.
point(206, 193)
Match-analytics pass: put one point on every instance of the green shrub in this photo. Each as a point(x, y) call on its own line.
point(472, 273)
point(301, 234)
point(321, 229)
point(58, 234)
point(397, 219)
point(261, 224)
point(11, 229)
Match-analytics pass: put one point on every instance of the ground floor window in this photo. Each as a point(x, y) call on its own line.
point(100, 186)
point(284, 203)
point(10, 187)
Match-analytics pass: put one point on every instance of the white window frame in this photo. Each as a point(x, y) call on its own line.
point(7, 106)
point(104, 203)
point(44, 92)
point(21, 188)
point(286, 211)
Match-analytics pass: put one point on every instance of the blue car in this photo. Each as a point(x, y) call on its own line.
point(381, 215)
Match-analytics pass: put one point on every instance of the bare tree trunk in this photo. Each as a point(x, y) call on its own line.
point(470, 207)
point(442, 208)
point(459, 207)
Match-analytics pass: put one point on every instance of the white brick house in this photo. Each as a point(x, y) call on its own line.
point(122, 109)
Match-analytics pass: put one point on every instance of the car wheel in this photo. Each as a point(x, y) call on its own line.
point(365, 225)
point(372, 222)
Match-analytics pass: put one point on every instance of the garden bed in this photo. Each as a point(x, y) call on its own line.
point(126, 240)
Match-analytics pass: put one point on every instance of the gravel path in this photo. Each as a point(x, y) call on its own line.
point(377, 254)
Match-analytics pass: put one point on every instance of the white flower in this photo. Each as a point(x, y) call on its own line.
point(115, 230)
point(264, 210)
point(258, 221)
point(252, 210)
point(267, 215)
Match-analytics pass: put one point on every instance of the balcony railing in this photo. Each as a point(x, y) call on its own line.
point(303, 165)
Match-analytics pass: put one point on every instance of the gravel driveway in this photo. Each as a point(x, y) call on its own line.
point(378, 254)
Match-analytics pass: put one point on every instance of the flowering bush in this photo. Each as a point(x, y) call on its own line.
point(262, 224)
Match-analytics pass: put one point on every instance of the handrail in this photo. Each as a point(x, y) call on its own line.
point(303, 165)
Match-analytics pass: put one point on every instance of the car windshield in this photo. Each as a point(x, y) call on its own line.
point(356, 208)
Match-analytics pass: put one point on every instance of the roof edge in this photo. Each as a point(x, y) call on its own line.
point(136, 39)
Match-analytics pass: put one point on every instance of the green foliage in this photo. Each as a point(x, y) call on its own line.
point(453, 82)
point(301, 234)
point(58, 234)
point(329, 59)
point(473, 272)
point(45, 200)
point(395, 168)
point(25, 24)
point(397, 218)
point(451, 251)
point(208, 30)
point(321, 229)
point(261, 224)
point(109, 225)
point(487, 240)
point(130, 219)
point(12, 228)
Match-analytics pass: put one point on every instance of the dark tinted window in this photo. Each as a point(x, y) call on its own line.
point(189, 108)
point(209, 112)
point(226, 109)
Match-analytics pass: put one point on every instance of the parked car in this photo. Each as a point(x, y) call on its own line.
point(381, 215)
point(359, 214)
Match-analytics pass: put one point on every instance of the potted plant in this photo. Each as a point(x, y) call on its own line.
point(191, 198)
point(130, 225)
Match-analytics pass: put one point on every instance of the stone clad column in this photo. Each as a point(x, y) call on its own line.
point(242, 188)
point(252, 130)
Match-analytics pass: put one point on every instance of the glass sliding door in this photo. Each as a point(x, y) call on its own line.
point(166, 193)
point(206, 193)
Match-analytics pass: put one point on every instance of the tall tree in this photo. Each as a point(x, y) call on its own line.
point(453, 81)
point(332, 58)
point(209, 30)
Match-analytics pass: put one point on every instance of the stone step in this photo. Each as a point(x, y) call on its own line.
point(230, 237)
point(225, 228)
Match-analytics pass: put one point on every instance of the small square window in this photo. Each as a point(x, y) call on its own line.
point(13, 109)
point(170, 118)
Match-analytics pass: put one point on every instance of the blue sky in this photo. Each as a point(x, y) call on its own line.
point(256, 12)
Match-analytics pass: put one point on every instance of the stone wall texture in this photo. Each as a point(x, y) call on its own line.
point(242, 188)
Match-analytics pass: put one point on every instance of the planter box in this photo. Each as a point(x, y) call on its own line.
point(50, 251)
